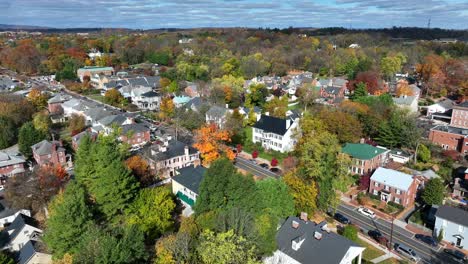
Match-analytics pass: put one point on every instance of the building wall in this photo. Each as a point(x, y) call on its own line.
point(177, 187)
point(459, 118)
point(362, 167)
point(86, 72)
point(57, 157)
point(280, 258)
point(137, 139)
point(281, 143)
point(23, 237)
point(406, 197)
point(449, 141)
point(55, 108)
point(451, 229)
point(169, 166)
point(5, 170)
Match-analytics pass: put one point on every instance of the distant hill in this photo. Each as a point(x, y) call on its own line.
point(21, 27)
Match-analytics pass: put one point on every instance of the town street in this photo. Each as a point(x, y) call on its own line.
point(253, 168)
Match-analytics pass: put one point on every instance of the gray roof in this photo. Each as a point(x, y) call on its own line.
point(452, 130)
point(112, 119)
point(190, 177)
point(217, 111)
point(135, 128)
point(29, 250)
point(8, 158)
point(59, 98)
point(175, 149)
point(42, 148)
point(97, 113)
point(404, 100)
point(452, 214)
point(17, 225)
point(77, 138)
point(332, 89)
point(331, 248)
point(6, 211)
point(393, 178)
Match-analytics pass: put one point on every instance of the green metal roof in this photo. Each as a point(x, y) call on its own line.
point(185, 198)
point(96, 68)
point(362, 151)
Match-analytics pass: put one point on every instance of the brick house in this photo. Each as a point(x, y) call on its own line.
point(91, 70)
point(455, 135)
point(11, 163)
point(76, 139)
point(394, 186)
point(54, 104)
point(46, 152)
point(135, 134)
point(365, 158)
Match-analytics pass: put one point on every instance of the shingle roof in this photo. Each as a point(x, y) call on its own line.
point(42, 148)
point(452, 214)
point(175, 149)
point(17, 225)
point(393, 178)
point(112, 119)
point(404, 100)
point(272, 124)
point(135, 128)
point(10, 158)
point(190, 177)
point(29, 249)
point(463, 104)
point(362, 151)
point(331, 248)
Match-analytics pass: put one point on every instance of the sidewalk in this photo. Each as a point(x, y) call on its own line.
point(388, 254)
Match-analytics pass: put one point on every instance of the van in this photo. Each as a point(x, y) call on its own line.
point(407, 252)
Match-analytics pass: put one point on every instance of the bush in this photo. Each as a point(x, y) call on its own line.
point(374, 197)
point(398, 206)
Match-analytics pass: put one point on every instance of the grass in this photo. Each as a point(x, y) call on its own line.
point(96, 97)
point(294, 107)
point(416, 218)
point(393, 261)
point(371, 252)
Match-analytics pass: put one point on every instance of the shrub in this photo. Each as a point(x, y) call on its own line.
point(398, 206)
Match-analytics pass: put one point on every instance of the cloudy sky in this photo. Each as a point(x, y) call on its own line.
point(145, 14)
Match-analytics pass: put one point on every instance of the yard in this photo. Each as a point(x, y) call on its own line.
point(371, 252)
point(96, 97)
point(249, 147)
point(375, 202)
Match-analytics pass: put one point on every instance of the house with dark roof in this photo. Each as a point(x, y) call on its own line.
point(135, 134)
point(105, 125)
point(275, 133)
point(301, 241)
point(11, 162)
point(365, 158)
point(186, 183)
point(217, 115)
point(49, 152)
point(170, 155)
point(55, 103)
point(34, 252)
point(19, 232)
point(8, 215)
point(453, 224)
point(76, 139)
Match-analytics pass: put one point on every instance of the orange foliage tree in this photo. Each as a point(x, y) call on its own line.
point(403, 89)
point(37, 98)
point(211, 142)
point(140, 169)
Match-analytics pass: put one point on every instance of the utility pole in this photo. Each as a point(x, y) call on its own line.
point(429, 23)
point(391, 232)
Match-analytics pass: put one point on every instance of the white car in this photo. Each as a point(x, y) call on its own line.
point(366, 212)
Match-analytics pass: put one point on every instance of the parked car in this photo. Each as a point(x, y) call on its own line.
point(366, 212)
point(342, 219)
point(407, 252)
point(456, 255)
point(377, 236)
point(264, 165)
point(275, 170)
point(427, 239)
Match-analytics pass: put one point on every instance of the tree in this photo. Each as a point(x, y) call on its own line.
point(164, 82)
point(7, 133)
point(41, 122)
point(304, 192)
point(76, 124)
point(371, 79)
point(28, 135)
point(346, 127)
point(277, 107)
point(37, 98)
point(424, 153)
point(359, 91)
point(152, 211)
point(440, 236)
point(390, 65)
point(403, 89)
point(257, 95)
point(225, 248)
point(223, 188)
point(16, 108)
point(140, 169)
point(211, 142)
point(233, 124)
point(289, 163)
point(274, 198)
point(5, 258)
point(351, 233)
point(434, 192)
point(166, 108)
point(113, 97)
point(69, 219)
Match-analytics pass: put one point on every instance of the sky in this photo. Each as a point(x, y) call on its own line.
point(147, 14)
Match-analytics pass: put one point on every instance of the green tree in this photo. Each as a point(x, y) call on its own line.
point(7, 133)
point(434, 192)
point(225, 248)
point(42, 122)
point(224, 188)
point(159, 57)
point(84, 163)
point(277, 107)
point(359, 91)
point(70, 217)
point(76, 124)
point(440, 236)
point(274, 198)
point(257, 95)
point(28, 136)
point(152, 211)
point(351, 233)
point(6, 259)
point(424, 153)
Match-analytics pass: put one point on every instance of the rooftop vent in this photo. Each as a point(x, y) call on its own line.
point(317, 235)
point(325, 228)
point(295, 224)
point(304, 216)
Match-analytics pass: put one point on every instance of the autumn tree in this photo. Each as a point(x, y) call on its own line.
point(392, 64)
point(113, 97)
point(257, 95)
point(16, 108)
point(37, 98)
point(140, 169)
point(211, 142)
point(346, 127)
point(372, 80)
point(277, 107)
point(403, 89)
point(41, 122)
point(304, 192)
point(431, 73)
point(166, 109)
point(76, 124)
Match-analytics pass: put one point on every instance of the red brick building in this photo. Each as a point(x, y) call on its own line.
point(46, 152)
point(76, 139)
point(365, 158)
point(455, 135)
point(55, 103)
point(11, 163)
point(135, 134)
point(394, 186)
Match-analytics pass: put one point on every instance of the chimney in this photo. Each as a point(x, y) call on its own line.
point(325, 228)
point(295, 224)
point(304, 216)
point(362, 141)
point(258, 116)
point(317, 235)
point(227, 106)
point(186, 150)
point(288, 123)
point(267, 113)
point(297, 242)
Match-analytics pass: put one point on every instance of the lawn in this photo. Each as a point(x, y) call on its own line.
point(96, 97)
point(393, 261)
point(371, 252)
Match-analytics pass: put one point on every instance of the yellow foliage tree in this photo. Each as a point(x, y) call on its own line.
point(37, 98)
point(211, 142)
point(303, 191)
point(404, 89)
point(166, 109)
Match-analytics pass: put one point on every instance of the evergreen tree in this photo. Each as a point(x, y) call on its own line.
point(359, 91)
point(28, 136)
point(434, 192)
point(7, 132)
point(84, 165)
point(70, 217)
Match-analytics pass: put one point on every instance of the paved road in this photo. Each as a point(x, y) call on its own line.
point(427, 253)
point(254, 168)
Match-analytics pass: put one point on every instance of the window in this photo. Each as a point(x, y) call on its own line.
point(398, 191)
point(397, 200)
point(387, 188)
point(376, 192)
point(461, 228)
point(376, 184)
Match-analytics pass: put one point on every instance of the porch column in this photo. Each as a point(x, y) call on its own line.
point(359, 258)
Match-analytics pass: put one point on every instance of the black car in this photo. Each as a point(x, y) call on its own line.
point(264, 165)
point(427, 239)
point(342, 219)
point(456, 255)
point(377, 236)
point(275, 170)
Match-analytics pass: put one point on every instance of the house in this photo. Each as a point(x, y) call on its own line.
point(19, 232)
point(407, 102)
point(170, 155)
point(180, 101)
point(54, 104)
point(76, 139)
point(275, 133)
point(217, 115)
point(90, 70)
point(195, 104)
point(440, 107)
point(34, 252)
point(186, 183)
point(365, 158)
point(394, 186)
point(92, 115)
point(135, 134)
point(105, 125)
point(399, 156)
point(192, 90)
point(47, 152)
point(149, 100)
point(11, 162)
point(8, 215)
point(301, 241)
point(453, 224)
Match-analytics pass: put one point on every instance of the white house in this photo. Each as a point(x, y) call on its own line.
point(217, 115)
point(453, 224)
point(275, 133)
point(145, 98)
point(301, 241)
point(8, 215)
point(407, 102)
point(440, 107)
point(20, 231)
